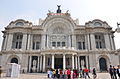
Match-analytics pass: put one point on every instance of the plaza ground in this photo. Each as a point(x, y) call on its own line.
point(44, 76)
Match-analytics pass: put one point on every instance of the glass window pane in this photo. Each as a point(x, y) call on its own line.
point(37, 45)
point(79, 45)
point(58, 44)
point(54, 44)
point(63, 44)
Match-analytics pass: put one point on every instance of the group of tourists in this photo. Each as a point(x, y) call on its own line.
point(70, 74)
point(114, 72)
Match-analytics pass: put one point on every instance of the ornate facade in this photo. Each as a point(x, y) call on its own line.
point(58, 42)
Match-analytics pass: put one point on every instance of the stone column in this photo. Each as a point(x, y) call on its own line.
point(41, 63)
point(64, 62)
point(107, 41)
point(52, 61)
point(9, 41)
point(24, 41)
point(38, 64)
point(93, 41)
point(44, 63)
point(86, 61)
point(30, 63)
point(28, 44)
point(43, 40)
point(73, 61)
point(76, 62)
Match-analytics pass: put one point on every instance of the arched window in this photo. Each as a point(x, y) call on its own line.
point(14, 60)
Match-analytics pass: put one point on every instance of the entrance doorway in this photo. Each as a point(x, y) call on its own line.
point(58, 63)
point(103, 64)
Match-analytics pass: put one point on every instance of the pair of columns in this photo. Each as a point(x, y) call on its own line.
point(64, 61)
point(40, 65)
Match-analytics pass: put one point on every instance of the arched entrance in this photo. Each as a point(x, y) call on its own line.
point(103, 64)
point(14, 60)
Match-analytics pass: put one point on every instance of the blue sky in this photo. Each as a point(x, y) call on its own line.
point(84, 10)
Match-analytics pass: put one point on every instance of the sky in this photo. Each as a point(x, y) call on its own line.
point(84, 10)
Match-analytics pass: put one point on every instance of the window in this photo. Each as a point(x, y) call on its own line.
point(19, 24)
point(63, 44)
point(81, 45)
point(17, 41)
point(36, 42)
point(54, 44)
point(36, 45)
point(99, 39)
point(58, 44)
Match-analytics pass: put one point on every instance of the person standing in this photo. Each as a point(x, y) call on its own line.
point(0, 71)
point(114, 72)
point(118, 71)
point(68, 73)
point(86, 72)
point(94, 73)
point(111, 71)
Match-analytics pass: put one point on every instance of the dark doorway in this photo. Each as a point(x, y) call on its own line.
point(14, 60)
point(103, 64)
point(58, 63)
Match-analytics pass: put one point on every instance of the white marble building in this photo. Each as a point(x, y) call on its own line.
point(58, 42)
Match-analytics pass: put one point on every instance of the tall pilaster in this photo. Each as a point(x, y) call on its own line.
point(64, 63)
point(9, 41)
point(28, 44)
point(38, 64)
point(43, 40)
point(52, 61)
point(93, 41)
point(6, 40)
point(76, 62)
point(30, 63)
point(69, 39)
point(88, 42)
point(73, 61)
point(111, 40)
point(107, 41)
point(24, 41)
point(43, 62)
point(31, 41)
point(74, 41)
point(86, 61)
